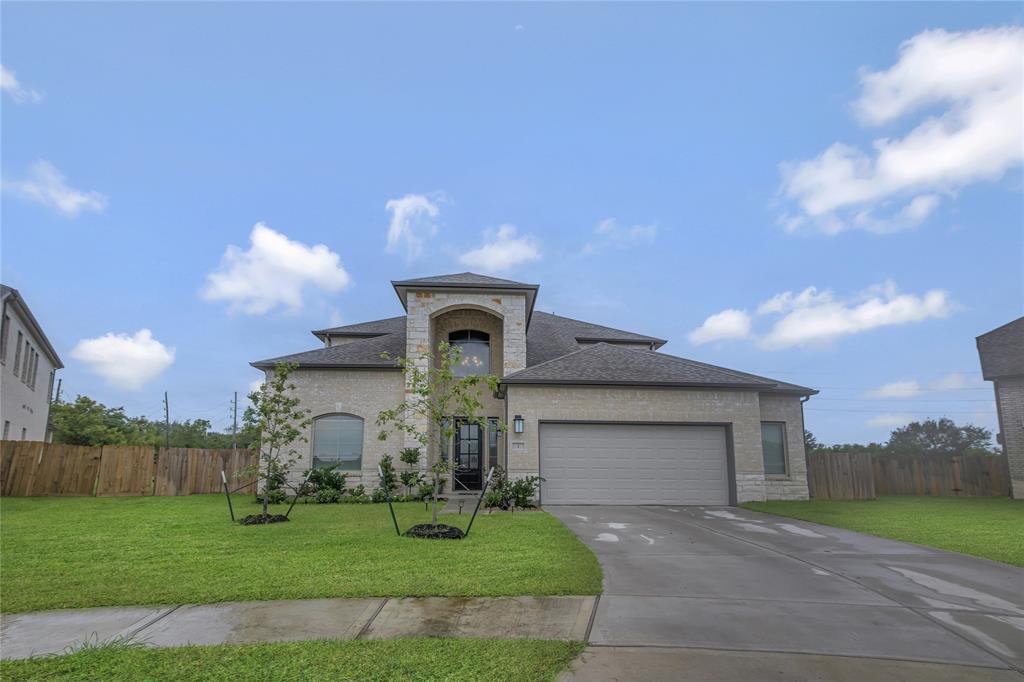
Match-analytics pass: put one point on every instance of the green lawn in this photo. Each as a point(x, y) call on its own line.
point(989, 527)
point(400, 659)
point(78, 552)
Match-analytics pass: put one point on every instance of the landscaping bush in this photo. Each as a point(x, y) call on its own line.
point(524, 490)
point(328, 496)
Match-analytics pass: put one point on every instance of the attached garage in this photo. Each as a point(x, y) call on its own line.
point(601, 463)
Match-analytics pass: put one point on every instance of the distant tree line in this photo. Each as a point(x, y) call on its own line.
point(938, 437)
point(87, 422)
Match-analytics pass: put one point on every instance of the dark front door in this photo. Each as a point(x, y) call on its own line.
point(469, 454)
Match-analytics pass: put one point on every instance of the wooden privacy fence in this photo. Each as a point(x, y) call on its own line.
point(840, 476)
point(861, 476)
point(29, 468)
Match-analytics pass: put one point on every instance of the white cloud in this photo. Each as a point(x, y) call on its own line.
point(727, 325)
point(411, 222)
point(955, 382)
point(890, 420)
point(125, 361)
point(502, 250)
point(978, 76)
point(18, 92)
point(815, 318)
point(273, 271)
point(609, 233)
point(897, 389)
point(45, 185)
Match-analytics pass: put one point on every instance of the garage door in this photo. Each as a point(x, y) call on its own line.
point(633, 464)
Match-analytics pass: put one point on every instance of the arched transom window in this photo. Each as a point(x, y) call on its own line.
point(476, 352)
point(338, 442)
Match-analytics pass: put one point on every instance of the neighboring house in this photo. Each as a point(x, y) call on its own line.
point(29, 364)
point(1002, 362)
point(598, 412)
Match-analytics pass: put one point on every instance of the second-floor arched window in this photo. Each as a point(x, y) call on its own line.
point(476, 352)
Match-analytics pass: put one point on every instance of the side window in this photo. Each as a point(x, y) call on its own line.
point(5, 331)
point(338, 442)
point(773, 446)
point(17, 355)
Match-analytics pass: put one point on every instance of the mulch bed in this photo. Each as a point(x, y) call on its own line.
point(438, 532)
point(259, 519)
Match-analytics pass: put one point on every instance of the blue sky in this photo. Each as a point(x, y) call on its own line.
point(650, 166)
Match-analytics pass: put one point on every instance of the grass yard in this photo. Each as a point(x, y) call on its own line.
point(400, 659)
point(79, 552)
point(989, 527)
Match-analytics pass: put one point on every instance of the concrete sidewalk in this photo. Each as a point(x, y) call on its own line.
point(50, 632)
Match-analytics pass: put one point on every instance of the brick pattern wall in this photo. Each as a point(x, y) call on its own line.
point(1010, 401)
point(363, 393)
point(793, 485)
point(740, 408)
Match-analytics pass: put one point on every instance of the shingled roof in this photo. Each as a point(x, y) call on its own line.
point(390, 325)
point(608, 365)
point(463, 279)
point(559, 350)
point(360, 354)
point(1002, 350)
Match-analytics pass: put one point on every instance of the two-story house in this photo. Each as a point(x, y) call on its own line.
point(28, 366)
point(599, 413)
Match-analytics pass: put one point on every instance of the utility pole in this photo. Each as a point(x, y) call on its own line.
point(57, 399)
point(167, 421)
point(234, 425)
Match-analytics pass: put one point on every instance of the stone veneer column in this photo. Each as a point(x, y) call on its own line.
point(421, 306)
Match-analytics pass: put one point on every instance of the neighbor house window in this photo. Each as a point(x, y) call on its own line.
point(773, 446)
point(4, 333)
point(338, 442)
point(7, 429)
point(476, 352)
point(17, 355)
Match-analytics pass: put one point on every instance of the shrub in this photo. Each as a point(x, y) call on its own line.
point(524, 490)
point(327, 478)
point(388, 481)
point(328, 496)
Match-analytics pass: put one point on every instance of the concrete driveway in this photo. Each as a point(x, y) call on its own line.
point(682, 585)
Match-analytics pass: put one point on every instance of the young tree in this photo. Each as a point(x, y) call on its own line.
point(278, 421)
point(433, 396)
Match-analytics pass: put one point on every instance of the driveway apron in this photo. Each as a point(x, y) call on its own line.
point(731, 579)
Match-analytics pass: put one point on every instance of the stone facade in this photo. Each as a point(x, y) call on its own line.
point(739, 409)
point(1010, 405)
point(787, 409)
point(432, 314)
point(362, 393)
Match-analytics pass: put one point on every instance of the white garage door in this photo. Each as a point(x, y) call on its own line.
point(633, 464)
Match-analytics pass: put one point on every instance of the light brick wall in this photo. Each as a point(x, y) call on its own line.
point(793, 485)
point(741, 409)
point(1010, 402)
point(363, 393)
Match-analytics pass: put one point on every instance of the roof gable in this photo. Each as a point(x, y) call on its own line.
point(1002, 350)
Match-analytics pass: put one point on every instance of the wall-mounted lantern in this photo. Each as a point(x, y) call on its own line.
point(517, 423)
